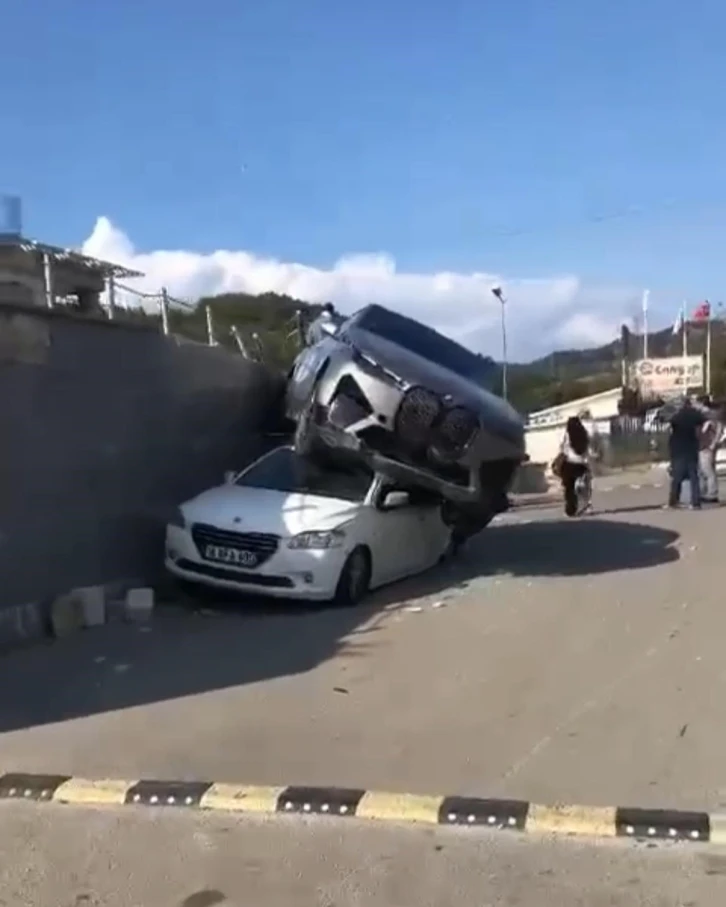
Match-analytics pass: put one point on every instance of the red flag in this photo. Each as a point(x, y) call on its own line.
point(702, 312)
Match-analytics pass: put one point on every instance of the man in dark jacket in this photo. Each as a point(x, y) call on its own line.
point(684, 445)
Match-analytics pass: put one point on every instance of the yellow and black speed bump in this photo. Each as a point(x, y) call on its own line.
point(663, 823)
point(333, 800)
point(30, 787)
point(167, 793)
point(503, 814)
point(474, 812)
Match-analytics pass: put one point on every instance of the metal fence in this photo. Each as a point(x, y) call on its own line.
point(635, 439)
point(187, 320)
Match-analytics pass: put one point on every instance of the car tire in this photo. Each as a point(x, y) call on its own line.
point(355, 579)
point(450, 552)
point(462, 524)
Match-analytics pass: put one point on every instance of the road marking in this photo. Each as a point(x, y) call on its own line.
point(600, 696)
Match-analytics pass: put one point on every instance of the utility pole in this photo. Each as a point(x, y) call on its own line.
point(211, 338)
point(48, 282)
point(235, 332)
point(164, 305)
point(646, 297)
point(499, 294)
point(111, 288)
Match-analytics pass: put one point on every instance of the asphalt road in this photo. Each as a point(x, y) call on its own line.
point(63, 857)
point(559, 660)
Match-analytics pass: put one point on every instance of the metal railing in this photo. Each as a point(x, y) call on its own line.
point(276, 348)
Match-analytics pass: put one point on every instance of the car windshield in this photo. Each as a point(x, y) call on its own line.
point(283, 470)
point(425, 342)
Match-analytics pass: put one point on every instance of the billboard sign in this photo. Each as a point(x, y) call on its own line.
point(668, 375)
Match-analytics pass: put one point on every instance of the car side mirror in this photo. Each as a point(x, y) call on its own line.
point(395, 499)
point(229, 476)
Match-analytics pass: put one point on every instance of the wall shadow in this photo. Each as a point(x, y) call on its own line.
point(105, 428)
point(183, 653)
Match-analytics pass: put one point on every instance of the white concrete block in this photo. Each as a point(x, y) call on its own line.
point(93, 605)
point(21, 623)
point(66, 614)
point(140, 604)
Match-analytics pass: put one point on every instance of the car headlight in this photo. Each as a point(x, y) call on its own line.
point(177, 519)
point(332, 539)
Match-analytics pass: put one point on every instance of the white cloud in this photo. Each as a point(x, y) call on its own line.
point(542, 314)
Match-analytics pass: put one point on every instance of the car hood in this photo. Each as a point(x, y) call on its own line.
point(414, 369)
point(241, 509)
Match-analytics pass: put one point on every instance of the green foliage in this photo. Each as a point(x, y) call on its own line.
point(272, 317)
point(530, 391)
point(557, 378)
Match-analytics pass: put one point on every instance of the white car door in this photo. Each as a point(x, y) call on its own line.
point(401, 539)
point(435, 534)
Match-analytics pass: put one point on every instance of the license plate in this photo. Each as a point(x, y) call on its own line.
point(231, 556)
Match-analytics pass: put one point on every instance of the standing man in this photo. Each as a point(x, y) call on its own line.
point(684, 446)
point(710, 438)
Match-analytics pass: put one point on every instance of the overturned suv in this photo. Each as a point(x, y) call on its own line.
point(411, 404)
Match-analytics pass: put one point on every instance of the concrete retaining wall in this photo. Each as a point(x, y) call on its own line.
point(103, 428)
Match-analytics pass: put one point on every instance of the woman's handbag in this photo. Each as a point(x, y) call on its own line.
point(557, 464)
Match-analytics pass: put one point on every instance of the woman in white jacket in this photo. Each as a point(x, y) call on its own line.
point(575, 464)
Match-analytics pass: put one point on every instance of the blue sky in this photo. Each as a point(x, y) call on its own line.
point(460, 136)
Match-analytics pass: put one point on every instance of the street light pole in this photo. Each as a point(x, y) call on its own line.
point(497, 292)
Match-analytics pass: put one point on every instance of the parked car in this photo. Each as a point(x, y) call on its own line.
point(411, 404)
point(295, 527)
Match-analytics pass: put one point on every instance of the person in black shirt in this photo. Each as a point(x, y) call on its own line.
point(684, 444)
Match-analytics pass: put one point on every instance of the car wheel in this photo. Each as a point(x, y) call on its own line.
point(465, 523)
point(450, 552)
point(355, 578)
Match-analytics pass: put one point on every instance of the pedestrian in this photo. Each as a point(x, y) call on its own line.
point(574, 464)
point(683, 449)
point(710, 439)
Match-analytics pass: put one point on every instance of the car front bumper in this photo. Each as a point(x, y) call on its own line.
point(306, 574)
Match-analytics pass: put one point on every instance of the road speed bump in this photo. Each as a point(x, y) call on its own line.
point(336, 803)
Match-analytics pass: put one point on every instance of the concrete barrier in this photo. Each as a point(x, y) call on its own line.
point(531, 478)
point(104, 428)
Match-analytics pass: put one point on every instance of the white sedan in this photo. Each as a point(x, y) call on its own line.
point(287, 527)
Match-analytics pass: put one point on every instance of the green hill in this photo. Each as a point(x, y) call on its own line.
point(556, 378)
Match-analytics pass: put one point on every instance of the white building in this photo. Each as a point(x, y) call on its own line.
point(37, 274)
point(545, 427)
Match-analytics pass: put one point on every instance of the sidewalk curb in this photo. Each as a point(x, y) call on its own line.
point(65, 615)
point(342, 803)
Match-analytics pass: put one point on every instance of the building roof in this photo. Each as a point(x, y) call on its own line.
point(59, 254)
point(581, 402)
